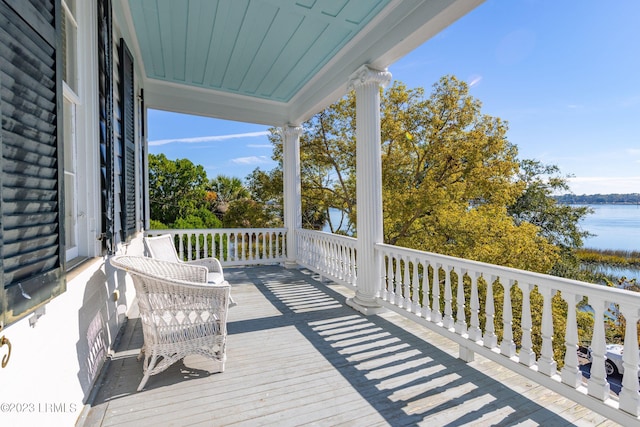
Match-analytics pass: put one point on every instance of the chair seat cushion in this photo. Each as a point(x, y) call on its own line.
point(215, 277)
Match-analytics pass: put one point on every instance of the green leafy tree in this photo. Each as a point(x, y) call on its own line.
point(198, 218)
point(452, 182)
point(556, 222)
point(177, 188)
point(448, 177)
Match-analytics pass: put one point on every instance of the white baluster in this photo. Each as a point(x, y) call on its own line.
point(406, 303)
point(353, 266)
point(436, 314)
point(206, 244)
point(426, 312)
point(397, 279)
point(447, 321)
point(254, 247)
point(461, 321)
point(390, 295)
point(197, 239)
point(475, 334)
point(570, 372)
point(598, 386)
point(546, 364)
point(490, 338)
point(324, 260)
point(629, 396)
point(180, 245)
point(383, 275)
point(259, 248)
point(415, 283)
point(507, 346)
point(527, 356)
point(269, 243)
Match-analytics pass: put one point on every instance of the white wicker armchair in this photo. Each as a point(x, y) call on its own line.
point(181, 313)
point(163, 248)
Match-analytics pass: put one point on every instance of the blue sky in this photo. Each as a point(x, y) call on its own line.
point(565, 75)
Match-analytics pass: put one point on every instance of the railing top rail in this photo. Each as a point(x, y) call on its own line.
point(558, 283)
point(212, 230)
point(324, 234)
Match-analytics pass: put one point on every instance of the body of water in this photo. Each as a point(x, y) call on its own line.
point(614, 227)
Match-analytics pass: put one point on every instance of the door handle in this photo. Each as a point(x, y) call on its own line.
point(5, 359)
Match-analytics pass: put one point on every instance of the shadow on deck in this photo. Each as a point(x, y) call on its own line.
point(297, 355)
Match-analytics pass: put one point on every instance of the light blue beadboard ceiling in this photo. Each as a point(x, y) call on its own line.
point(273, 62)
point(267, 49)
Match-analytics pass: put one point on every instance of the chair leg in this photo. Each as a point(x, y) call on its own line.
point(148, 366)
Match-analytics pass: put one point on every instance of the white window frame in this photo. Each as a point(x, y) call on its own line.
point(71, 174)
point(70, 93)
point(86, 197)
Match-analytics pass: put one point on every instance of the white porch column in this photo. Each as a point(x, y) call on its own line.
point(292, 190)
point(367, 83)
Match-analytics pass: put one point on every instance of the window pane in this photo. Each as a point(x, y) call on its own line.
point(69, 53)
point(70, 188)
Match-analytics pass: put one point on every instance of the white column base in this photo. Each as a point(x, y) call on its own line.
point(291, 265)
point(366, 308)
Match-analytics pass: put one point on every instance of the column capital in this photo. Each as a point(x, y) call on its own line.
point(366, 74)
point(291, 131)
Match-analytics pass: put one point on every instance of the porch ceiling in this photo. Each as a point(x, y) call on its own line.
point(270, 61)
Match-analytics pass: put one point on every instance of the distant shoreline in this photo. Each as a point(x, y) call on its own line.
point(599, 199)
point(601, 203)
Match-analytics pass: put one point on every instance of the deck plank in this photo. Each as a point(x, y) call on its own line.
point(298, 356)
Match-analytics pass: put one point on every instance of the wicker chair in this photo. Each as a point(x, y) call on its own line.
point(181, 313)
point(163, 248)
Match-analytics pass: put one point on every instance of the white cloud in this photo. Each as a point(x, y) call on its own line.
point(251, 160)
point(474, 80)
point(605, 184)
point(259, 146)
point(213, 138)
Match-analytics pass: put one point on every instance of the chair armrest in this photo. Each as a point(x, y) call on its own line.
point(161, 269)
point(212, 264)
point(190, 273)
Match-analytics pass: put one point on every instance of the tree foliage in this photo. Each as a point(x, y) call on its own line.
point(176, 188)
point(182, 197)
point(452, 182)
point(224, 190)
point(448, 178)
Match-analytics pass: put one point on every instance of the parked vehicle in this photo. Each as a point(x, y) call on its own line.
point(613, 362)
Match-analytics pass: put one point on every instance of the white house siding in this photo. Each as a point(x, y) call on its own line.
point(54, 363)
point(57, 352)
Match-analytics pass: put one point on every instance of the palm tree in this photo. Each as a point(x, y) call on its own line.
point(227, 190)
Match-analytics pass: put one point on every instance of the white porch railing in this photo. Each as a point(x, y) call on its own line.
point(458, 299)
point(232, 246)
point(463, 300)
point(330, 255)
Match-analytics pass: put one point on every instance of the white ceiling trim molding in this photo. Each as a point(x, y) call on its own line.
point(187, 99)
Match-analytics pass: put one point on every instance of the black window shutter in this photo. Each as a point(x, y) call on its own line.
point(105, 95)
point(127, 132)
point(31, 178)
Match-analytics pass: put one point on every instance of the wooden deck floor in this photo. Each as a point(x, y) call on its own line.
point(298, 356)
